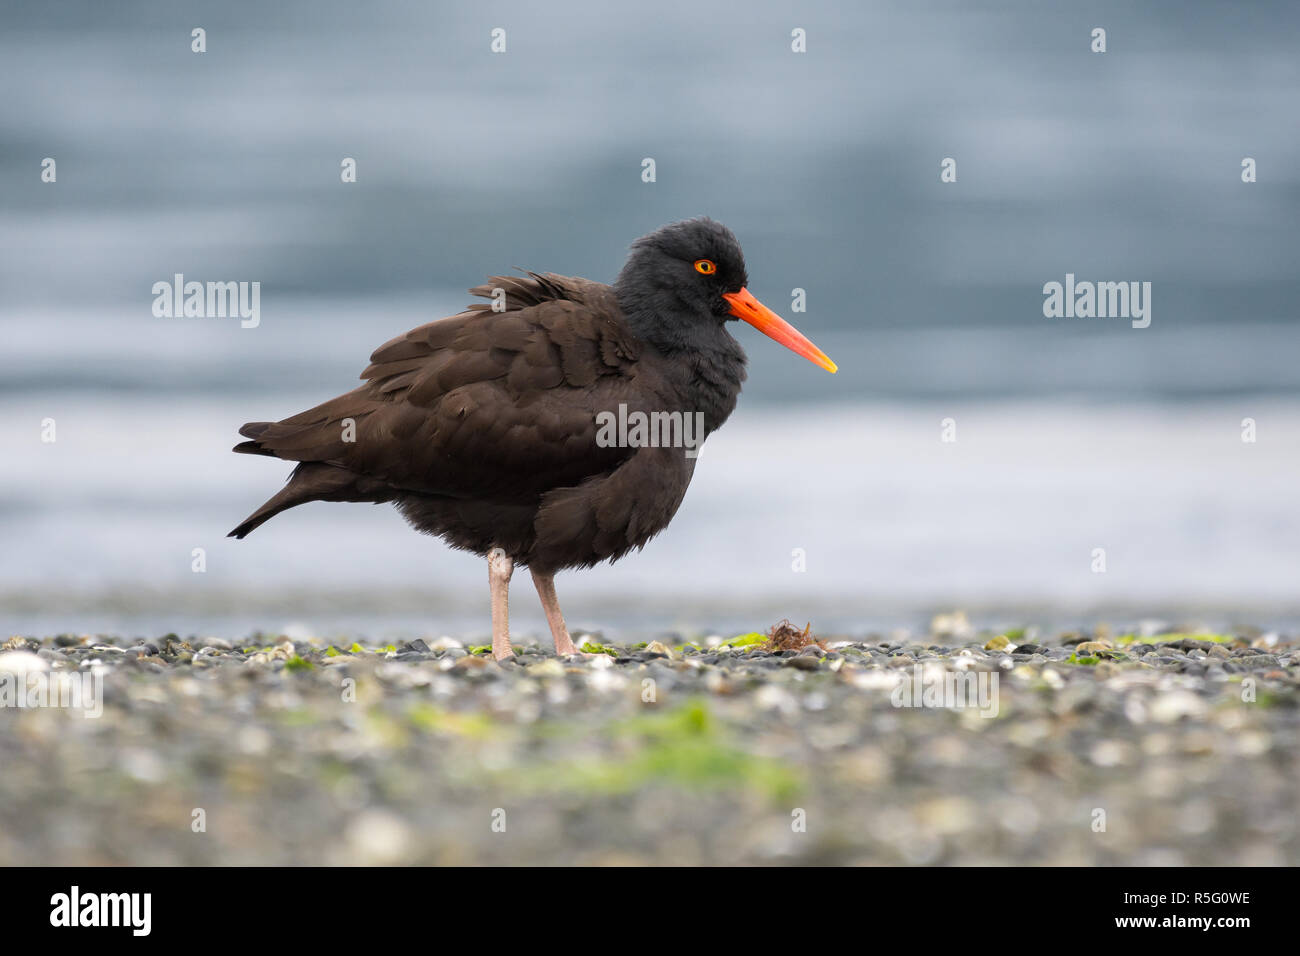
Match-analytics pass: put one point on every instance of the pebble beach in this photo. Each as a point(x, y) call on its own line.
point(1096, 747)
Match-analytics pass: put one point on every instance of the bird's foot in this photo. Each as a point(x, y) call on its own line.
point(569, 650)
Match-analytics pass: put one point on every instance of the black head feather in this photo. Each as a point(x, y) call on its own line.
point(665, 297)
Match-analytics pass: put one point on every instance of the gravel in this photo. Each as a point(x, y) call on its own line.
point(1089, 748)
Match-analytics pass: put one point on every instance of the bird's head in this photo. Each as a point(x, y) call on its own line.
point(699, 263)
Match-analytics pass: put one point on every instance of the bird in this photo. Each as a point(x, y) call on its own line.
point(493, 428)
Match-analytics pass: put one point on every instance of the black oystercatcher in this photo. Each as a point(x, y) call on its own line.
point(488, 428)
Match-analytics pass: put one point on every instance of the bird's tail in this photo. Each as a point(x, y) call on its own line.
point(313, 481)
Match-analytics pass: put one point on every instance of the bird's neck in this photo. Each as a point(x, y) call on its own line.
point(706, 365)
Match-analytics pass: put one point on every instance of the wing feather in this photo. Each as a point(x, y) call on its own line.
point(496, 405)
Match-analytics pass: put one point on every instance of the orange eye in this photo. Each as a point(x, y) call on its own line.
point(705, 267)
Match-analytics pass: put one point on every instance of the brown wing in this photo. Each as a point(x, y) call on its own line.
point(484, 404)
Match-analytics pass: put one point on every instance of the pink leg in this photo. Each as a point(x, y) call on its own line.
point(545, 584)
point(500, 567)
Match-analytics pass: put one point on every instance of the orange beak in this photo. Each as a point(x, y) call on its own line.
point(745, 306)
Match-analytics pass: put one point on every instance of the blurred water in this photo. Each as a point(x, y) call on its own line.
point(1073, 434)
point(890, 517)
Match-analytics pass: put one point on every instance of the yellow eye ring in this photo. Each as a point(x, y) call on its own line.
point(705, 267)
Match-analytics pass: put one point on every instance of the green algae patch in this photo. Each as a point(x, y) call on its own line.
point(381, 649)
point(685, 747)
point(438, 720)
point(1170, 638)
point(299, 717)
point(479, 649)
point(297, 663)
point(1266, 698)
point(752, 639)
point(1087, 661)
point(591, 647)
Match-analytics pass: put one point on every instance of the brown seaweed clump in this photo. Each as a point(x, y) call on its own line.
point(786, 637)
